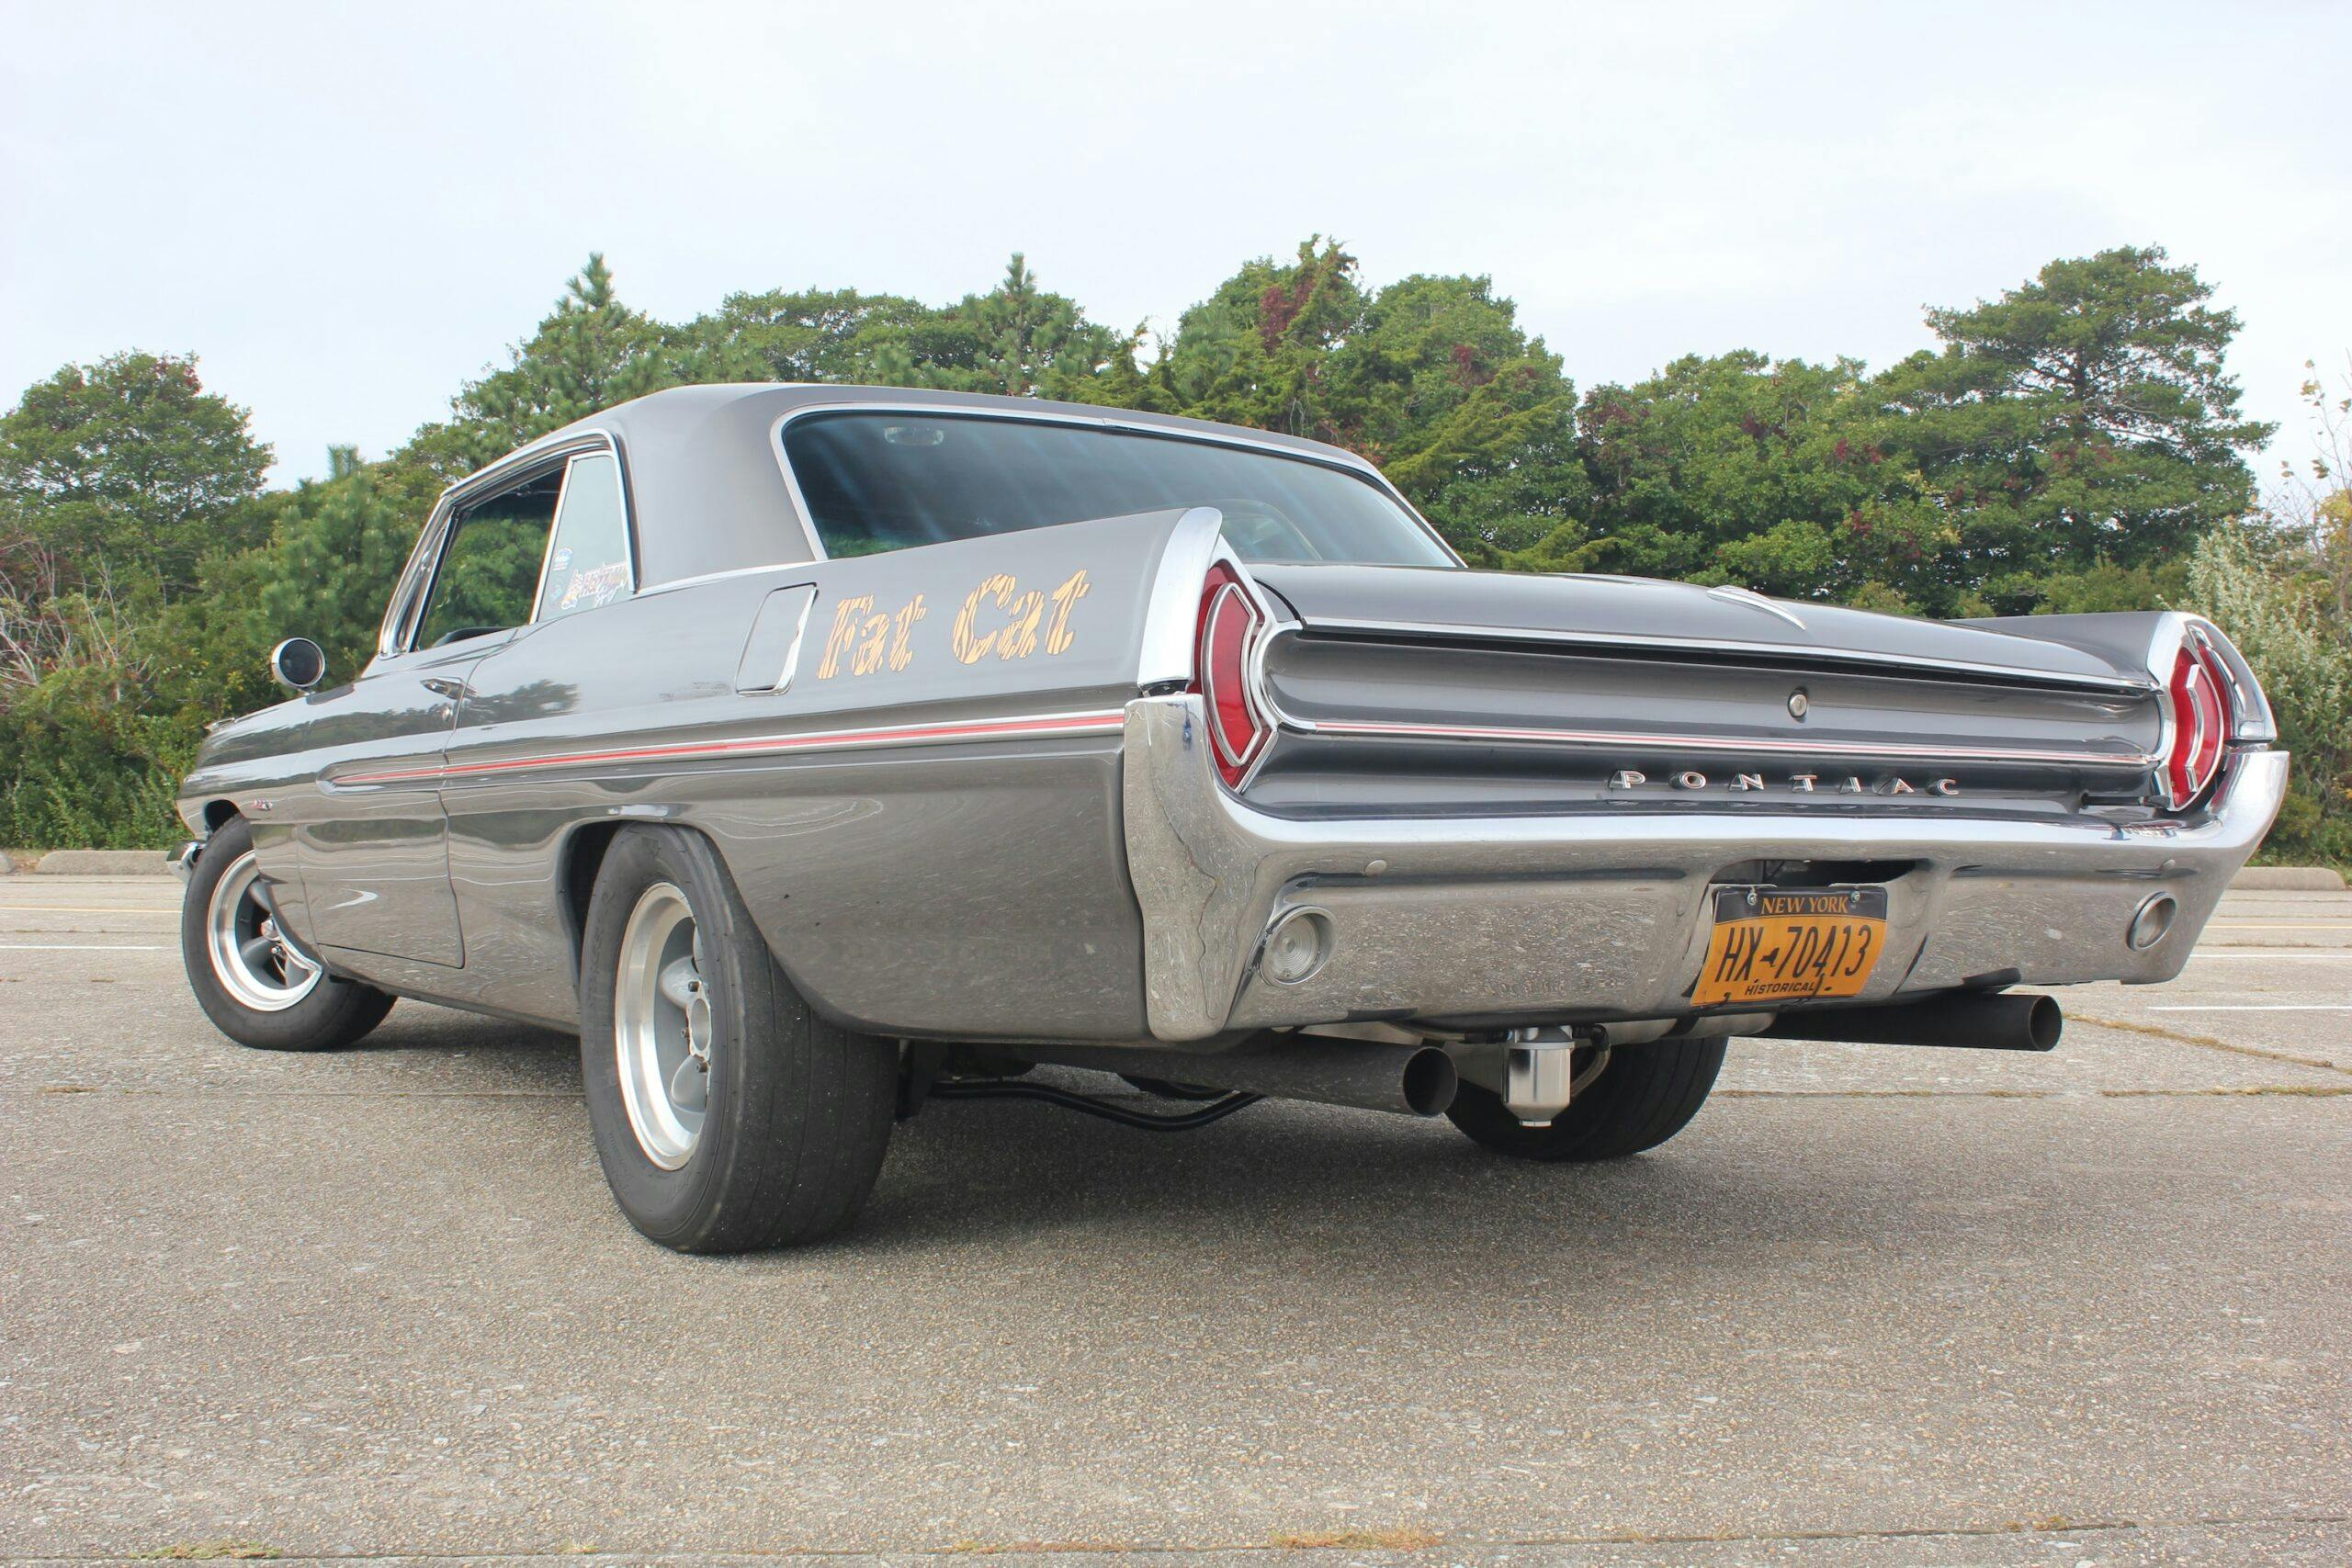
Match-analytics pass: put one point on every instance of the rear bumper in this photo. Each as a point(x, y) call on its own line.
point(1598, 918)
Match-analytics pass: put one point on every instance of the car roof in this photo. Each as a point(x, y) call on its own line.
point(706, 454)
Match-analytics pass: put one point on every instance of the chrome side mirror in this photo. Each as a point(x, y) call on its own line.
point(298, 663)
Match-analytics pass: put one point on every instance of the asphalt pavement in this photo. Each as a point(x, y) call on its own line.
point(1878, 1305)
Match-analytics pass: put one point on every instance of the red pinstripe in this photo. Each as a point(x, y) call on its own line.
point(1102, 722)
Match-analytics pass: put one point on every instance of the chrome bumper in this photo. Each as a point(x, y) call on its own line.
point(184, 859)
point(1603, 917)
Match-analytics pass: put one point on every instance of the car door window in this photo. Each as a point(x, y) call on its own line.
point(488, 576)
point(590, 562)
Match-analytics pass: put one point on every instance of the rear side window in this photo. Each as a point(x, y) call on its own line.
point(588, 564)
point(887, 481)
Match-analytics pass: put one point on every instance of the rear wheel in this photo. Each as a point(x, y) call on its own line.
point(728, 1115)
point(258, 984)
point(1642, 1096)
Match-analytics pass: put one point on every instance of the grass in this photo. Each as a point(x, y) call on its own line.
point(1401, 1537)
point(992, 1548)
point(208, 1551)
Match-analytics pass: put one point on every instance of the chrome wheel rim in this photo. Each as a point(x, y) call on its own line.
point(256, 963)
point(663, 1029)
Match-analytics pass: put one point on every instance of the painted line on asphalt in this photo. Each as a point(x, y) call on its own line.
point(2334, 955)
point(73, 947)
point(81, 909)
point(2254, 1007)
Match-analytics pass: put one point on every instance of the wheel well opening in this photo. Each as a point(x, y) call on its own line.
point(218, 814)
point(583, 855)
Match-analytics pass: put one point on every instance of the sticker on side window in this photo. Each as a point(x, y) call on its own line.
point(595, 585)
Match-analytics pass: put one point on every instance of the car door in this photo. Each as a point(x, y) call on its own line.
point(549, 689)
point(373, 844)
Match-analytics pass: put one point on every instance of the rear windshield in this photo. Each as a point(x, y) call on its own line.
point(889, 481)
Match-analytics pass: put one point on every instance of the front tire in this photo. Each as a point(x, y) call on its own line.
point(728, 1115)
point(254, 982)
point(1642, 1096)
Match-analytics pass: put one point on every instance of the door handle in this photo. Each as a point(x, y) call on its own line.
point(442, 686)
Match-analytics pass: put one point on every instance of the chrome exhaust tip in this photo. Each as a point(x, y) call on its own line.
point(2151, 921)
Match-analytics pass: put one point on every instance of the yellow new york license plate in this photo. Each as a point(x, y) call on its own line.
point(1774, 945)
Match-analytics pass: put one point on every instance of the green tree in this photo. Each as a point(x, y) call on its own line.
point(122, 473)
point(2080, 420)
point(2271, 593)
point(1254, 352)
point(1018, 338)
point(1029, 342)
point(1766, 473)
point(820, 335)
point(1430, 376)
point(591, 353)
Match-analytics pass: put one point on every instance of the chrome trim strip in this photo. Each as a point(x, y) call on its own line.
point(1172, 613)
point(2164, 646)
point(1854, 658)
point(1099, 721)
point(555, 526)
point(792, 651)
point(1062, 413)
point(1731, 594)
point(1618, 739)
point(1261, 691)
point(700, 577)
point(1251, 638)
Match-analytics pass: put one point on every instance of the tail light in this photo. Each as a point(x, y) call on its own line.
point(2201, 719)
point(1230, 623)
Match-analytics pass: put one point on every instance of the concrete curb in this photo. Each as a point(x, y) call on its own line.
point(2289, 878)
point(103, 862)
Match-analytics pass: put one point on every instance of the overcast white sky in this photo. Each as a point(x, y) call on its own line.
point(347, 211)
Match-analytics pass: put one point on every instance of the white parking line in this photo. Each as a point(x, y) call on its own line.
point(82, 909)
point(2336, 954)
point(71, 947)
point(2254, 1007)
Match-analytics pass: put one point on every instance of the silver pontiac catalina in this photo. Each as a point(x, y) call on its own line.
point(816, 752)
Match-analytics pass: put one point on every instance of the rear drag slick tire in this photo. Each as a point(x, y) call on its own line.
point(728, 1116)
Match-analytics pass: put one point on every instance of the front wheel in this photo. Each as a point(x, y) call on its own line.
point(252, 979)
point(1641, 1096)
point(728, 1115)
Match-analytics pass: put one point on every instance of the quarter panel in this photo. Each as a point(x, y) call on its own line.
point(922, 852)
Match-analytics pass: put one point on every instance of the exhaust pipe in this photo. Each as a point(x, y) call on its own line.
point(1971, 1021)
point(1406, 1080)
